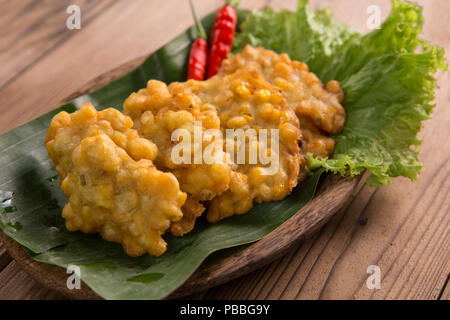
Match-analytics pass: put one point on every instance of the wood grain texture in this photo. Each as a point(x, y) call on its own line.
point(403, 228)
point(120, 32)
point(16, 284)
point(44, 30)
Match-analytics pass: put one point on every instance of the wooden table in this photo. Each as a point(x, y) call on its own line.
point(403, 228)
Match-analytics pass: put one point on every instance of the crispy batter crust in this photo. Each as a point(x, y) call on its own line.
point(302, 89)
point(106, 171)
point(247, 101)
point(157, 111)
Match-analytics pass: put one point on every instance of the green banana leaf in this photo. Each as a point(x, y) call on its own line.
point(31, 202)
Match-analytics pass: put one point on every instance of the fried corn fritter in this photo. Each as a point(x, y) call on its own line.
point(302, 89)
point(157, 111)
point(318, 107)
point(120, 173)
point(245, 101)
point(107, 172)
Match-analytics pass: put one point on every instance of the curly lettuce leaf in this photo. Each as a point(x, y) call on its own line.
point(387, 77)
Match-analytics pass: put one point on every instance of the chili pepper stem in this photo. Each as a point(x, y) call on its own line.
point(233, 3)
point(201, 33)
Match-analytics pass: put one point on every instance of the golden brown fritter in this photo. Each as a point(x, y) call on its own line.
point(157, 111)
point(318, 108)
point(304, 92)
point(106, 171)
point(245, 100)
point(192, 209)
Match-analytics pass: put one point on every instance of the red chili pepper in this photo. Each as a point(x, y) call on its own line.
point(198, 55)
point(222, 36)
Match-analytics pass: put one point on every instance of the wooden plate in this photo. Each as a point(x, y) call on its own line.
point(334, 193)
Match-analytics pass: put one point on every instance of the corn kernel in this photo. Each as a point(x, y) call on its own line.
point(65, 185)
point(300, 66)
point(120, 139)
point(85, 211)
point(268, 112)
point(249, 118)
point(236, 83)
point(288, 132)
point(285, 58)
point(236, 122)
point(62, 119)
point(255, 176)
point(243, 91)
point(86, 112)
point(262, 95)
point(334, 87)
point(310, 79)
point(283, 84)
point(276, 98)
point(283, 69)
point(250, 52)
point(147, 118)
point(140, 148)
point(117, 120)
point(245, 108)
point(224, 117)
point(287, 116)
point(265, 110)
